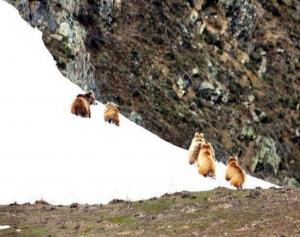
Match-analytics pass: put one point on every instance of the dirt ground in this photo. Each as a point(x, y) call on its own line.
point(220, 212)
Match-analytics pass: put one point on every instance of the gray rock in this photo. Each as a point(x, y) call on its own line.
point(183, 84)
point(81, 72)
point(213, 92)
point(291, 182)
point(266, 156)
point(242, 15)
point(262, 116)
point(105, 9)
point(263, 67)
point(194, 16)
point(65, 30)
point(136, 118)
point(248, 133)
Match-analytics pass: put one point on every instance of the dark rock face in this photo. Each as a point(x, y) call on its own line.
point(228, 68)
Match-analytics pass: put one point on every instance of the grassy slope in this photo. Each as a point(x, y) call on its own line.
point(220, 212)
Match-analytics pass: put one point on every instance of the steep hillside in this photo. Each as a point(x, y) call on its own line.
point(229, 68)
point(47, 152)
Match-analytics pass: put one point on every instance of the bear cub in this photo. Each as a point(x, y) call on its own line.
point(111, 114)
point(206, 160)
point(194, 149)
point(235, 173)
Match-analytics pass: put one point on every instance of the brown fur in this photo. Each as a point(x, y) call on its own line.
point(234, 173)
point(206, 161)
point(111, 114)
point(81, 104)
point(194, 149)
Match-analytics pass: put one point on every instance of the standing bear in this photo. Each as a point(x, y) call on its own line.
point(81, 104)
point(111, 113)
point(234, 173)
point(194, 149)
point(206, 160)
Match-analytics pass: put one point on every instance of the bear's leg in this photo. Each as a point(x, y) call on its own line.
point(227, 177)
point(212, 174)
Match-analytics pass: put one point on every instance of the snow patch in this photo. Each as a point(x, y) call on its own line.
point(48, 153)
point(4, 227)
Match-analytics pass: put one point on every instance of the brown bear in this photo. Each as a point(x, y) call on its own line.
point(234, 173)
point(195, 147)
point(111, 113)
point(81, 104)
point(206, 160)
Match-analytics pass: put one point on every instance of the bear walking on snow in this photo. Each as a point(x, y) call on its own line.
point(111, 114)
point(81, 104)
point(234, 173)
point(206, 160)
point(194, 149)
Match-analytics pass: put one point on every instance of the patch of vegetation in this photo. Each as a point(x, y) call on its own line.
point(235, 88)
point(67, 50)
point(155, 205)
point(34, 231)
point(122, 220)
point(268, 79)
point(287, 102)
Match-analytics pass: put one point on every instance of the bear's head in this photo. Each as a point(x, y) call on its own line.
point(206, 146)
point(199, 137)
point(90, 96)
point(112, 106)
point(232, 159)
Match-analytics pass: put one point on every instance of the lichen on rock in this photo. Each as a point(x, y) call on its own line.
point(266, 156)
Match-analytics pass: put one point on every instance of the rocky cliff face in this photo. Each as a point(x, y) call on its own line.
point(229, 68)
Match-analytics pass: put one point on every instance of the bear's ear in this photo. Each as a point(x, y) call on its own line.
point(89, 94)
point(199, 135)
point(115, 105)
point(92, 93)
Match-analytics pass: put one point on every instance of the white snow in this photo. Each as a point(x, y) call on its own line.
point(48, 153)
point(4, 227)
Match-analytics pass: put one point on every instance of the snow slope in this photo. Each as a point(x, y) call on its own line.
point(46, 152)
